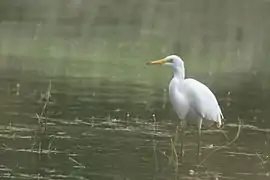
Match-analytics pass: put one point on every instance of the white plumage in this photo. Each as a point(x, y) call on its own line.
point(193, 102)
point(192, 99)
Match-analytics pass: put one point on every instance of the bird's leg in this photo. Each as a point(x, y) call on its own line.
point(183, 127)
point(199, 140)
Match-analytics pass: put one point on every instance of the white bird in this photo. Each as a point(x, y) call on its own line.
point(193, 102)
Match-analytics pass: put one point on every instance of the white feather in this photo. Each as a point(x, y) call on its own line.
point(191, 99)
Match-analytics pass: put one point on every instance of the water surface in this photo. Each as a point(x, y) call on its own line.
point(103, 129)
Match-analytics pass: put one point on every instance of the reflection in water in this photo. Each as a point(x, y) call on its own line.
point(97, 129)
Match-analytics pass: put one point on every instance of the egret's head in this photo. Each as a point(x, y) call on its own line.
point(172, 60)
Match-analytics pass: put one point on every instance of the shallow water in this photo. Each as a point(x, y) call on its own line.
point(102, 129)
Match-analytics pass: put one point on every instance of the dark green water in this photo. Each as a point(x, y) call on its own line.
point(101, 129)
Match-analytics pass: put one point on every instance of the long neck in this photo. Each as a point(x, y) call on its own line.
point(179, 72)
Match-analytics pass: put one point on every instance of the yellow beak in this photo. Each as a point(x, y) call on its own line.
point(161, 61)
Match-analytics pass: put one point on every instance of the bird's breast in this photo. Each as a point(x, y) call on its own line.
point(178, 99)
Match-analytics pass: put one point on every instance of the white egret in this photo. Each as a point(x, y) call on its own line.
point(193, 102)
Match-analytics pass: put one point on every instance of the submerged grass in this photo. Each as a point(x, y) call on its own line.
point(154, 141)
point(78, 165)
point(226, 145)
point(173, 158)
point(41, 136)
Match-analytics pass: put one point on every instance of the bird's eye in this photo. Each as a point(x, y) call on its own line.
point(170, 60)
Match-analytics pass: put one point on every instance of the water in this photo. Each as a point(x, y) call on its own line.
point(103, 129)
